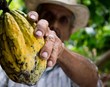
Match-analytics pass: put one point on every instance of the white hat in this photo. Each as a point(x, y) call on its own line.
point(81, 12)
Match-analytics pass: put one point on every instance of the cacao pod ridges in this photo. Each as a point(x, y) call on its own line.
point(19, 49)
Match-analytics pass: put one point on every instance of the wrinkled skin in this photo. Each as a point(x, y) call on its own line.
point(77, 67)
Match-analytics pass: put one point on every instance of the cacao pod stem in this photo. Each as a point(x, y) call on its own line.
point(4, 6)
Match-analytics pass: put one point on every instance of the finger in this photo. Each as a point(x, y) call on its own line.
point(47, 49)
point(53, 58)
point(56, 52)
point(42, 28)
point(32, 16)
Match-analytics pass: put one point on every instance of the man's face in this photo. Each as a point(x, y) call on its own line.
point(59, 19)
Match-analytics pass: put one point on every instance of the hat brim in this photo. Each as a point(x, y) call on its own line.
point(81, 12)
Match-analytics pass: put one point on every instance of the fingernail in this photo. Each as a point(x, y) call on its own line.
point(45, 54)
point(39, 33)
point(33, 16)
point(50, 63)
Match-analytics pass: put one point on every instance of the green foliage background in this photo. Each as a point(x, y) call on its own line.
point(94, 40)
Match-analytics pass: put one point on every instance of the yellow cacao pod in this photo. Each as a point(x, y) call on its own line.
point(19, 49)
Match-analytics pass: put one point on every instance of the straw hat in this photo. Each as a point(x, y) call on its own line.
point(81, 12)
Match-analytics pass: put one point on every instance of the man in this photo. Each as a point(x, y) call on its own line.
point(57, 20)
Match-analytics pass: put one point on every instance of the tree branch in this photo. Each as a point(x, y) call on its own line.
point(103, 59)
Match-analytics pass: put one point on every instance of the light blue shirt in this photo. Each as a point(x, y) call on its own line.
point(52, 77)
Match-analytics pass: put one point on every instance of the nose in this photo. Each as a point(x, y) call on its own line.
point(55, 27)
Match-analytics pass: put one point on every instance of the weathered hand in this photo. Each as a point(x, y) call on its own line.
point(53, 45)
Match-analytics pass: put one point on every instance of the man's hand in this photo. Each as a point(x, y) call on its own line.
point(53, 45)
